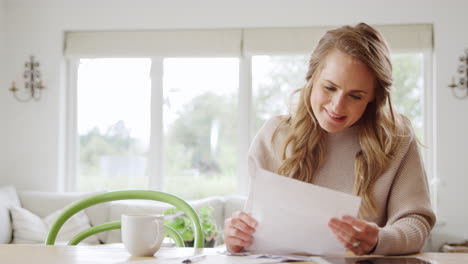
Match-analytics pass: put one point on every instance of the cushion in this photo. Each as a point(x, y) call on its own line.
point(45, 203)
point(29, 228)
point(119, 208)
point(8, 198)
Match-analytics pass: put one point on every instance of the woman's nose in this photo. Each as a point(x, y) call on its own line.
point(338, 104)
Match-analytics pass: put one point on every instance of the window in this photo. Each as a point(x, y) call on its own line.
point(200, 126)
point(274, 79)
point(177, 110)
point(200, 132)
point(408, 88)
point(113, 123)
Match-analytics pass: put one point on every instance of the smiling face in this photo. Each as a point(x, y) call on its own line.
point(341, 91)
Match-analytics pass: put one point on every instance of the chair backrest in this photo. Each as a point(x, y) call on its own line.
point(126, 195)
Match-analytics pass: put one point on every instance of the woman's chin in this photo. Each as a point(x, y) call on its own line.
point(332, 128)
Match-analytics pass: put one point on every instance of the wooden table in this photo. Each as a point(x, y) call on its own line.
point(116, 253)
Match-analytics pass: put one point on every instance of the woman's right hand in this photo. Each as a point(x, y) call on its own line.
point(238, 231)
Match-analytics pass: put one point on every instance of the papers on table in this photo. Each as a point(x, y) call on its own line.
point(293, 215)
point(228, 258)
point(247, 258)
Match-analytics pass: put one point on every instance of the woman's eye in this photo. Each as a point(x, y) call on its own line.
point(329, 88)
point(355, 97)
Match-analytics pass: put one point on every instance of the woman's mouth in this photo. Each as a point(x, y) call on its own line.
point(335, 117)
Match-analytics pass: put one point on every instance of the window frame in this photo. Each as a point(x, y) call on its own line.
point(429, 150)
point(246, 119)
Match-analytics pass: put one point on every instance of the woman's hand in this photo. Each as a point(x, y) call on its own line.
point(357, 235)
point(238, 231)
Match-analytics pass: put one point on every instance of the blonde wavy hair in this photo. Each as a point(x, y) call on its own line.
point(380, 128)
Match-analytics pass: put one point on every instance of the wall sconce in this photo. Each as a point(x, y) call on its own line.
point(460, 88)
point(32, 82)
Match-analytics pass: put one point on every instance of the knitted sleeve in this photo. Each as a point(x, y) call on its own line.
point(409, 214)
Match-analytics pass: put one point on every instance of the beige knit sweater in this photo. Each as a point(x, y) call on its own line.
point(401, 194)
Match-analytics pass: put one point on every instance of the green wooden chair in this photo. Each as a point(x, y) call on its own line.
point(126, 195)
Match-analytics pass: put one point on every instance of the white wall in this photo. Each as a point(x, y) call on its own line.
point(3, 85)
point(33, 135)
point(452, 124)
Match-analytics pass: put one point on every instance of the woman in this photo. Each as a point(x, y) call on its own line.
point(345, 135)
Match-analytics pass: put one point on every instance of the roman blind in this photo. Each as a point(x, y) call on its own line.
point(400, 38)
point(167, 43)
point(227, 42)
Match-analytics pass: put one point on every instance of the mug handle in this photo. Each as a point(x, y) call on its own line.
point(160, 234)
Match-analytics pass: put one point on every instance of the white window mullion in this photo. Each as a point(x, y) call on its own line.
point(71, 132)
point(430, 126)
point(246, 119)
point(155, 153)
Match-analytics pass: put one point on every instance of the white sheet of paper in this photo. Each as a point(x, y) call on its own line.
point(225, 259)
point(293, 215)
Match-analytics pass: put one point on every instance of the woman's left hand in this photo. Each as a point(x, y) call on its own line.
point(357, 235)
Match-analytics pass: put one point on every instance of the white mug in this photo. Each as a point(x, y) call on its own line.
point(142, 234)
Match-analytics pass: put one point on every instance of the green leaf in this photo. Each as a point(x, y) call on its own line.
point(183, 225)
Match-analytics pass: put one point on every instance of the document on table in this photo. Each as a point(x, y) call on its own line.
point(293, 215)
point(231, 259)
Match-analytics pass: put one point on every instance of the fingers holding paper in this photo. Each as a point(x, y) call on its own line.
point(359, 236)
point(238, 231)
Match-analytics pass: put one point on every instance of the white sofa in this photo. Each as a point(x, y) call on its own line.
point(43, 204)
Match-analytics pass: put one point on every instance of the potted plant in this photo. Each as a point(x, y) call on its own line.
point(182, 224)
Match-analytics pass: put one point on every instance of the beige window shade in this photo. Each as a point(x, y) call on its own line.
point(281, 41)
point(227, 43)
point(170, 43)
point(407, 38)
point(401, 38)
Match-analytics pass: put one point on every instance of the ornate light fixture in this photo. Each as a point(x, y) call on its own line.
point(460, 87)
point(32, 82)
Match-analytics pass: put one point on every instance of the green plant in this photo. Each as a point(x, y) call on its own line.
point(182, 224)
